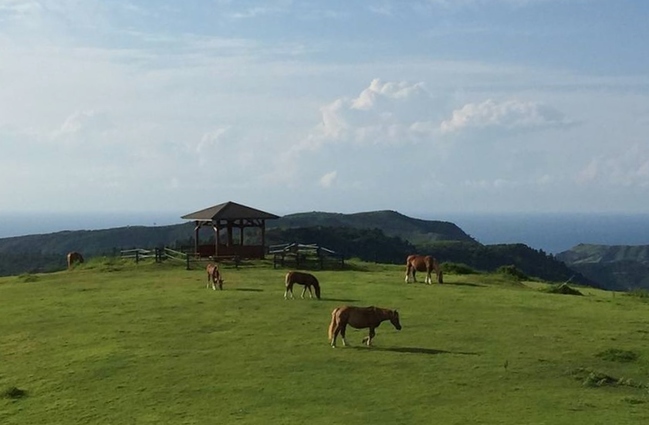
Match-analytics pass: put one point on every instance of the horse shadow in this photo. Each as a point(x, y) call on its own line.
point(475, 285)
point(339, 300)
point(414, 350)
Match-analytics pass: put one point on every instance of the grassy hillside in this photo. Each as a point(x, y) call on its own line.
point(392, 223)
point(112, 342)
point(618, 267)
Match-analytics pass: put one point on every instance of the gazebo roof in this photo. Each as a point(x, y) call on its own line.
point(228, 211)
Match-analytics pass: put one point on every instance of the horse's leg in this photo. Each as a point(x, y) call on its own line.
point(343, 328)
point(429, 279)
point(336, 330)
point(368, 339)
point(289, 290)
point(310, 291)
point(304, 291)
point(407, 273)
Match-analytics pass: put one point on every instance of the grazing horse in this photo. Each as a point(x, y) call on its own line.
point(214, 276)
point(420, 263)
point(74, 257)
point(360, 317)
point(305, 279)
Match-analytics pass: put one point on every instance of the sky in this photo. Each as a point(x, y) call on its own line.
point(424, 106)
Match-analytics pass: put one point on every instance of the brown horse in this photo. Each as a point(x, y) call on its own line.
point(305, 279)
point(214, 276)
point(360, 317)
point(420, 263)
point(74, 257)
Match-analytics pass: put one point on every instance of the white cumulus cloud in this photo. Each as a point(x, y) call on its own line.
point(509, 114)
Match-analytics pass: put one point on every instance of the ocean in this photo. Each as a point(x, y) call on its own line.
point(552, 232)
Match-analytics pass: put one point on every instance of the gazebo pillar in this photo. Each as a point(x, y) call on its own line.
point(197, 228)
point(215, 226)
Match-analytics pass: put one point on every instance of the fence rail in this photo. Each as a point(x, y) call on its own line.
point(161, 254)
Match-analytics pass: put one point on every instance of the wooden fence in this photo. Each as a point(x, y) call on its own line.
point(307, 256)
point(162, 254)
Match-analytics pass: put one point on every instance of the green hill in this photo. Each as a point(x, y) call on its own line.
point(380, 236)
point(112, 342)
point(618, 267)
point(392, 223)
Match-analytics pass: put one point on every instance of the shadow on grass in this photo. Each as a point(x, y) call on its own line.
point(412, 350)
point(339, 300)
point(249, 289)
point(475, 285)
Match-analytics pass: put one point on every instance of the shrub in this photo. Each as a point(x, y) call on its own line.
point(562, 289)
point(512, 271)
point(457, 268)
point(28, 277)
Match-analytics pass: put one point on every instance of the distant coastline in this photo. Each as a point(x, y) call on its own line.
point(553, 232)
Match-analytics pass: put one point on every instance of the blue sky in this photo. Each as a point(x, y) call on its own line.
point(423, 106)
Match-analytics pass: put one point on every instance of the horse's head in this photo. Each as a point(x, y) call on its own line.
point(218, 278)
point(394, 319)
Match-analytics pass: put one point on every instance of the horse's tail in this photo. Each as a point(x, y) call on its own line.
point(287, 279)
point(332, 325)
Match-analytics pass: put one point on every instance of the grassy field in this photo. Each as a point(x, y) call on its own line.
point(119, 343)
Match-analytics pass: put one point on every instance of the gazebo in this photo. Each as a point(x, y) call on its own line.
point(230, 216)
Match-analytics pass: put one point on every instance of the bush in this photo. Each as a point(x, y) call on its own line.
point(28, 278)
point(512, 271)
point(457, 268)
point(562, 289)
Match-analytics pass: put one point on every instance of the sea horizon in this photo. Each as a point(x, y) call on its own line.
point(550, 232)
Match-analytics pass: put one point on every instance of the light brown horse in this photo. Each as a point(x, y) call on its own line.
point(214, 276)
point(305, 279)
point(420, 263)
point(74, 257)
point(360, 317)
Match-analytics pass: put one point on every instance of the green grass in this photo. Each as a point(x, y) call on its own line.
point(111, 342)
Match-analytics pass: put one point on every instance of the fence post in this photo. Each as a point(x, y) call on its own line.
point(187, 257)
point(137, 256)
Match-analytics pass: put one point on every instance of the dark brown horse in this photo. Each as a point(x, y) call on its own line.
point(420, 263)
point(305, 279)
point(360, 317)
point(214, 276)
point(74, 257)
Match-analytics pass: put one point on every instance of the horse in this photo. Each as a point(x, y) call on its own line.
point(214, 276)
point(74, 257)
point(360, 317)
point(420, 263)
point(305, 279)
